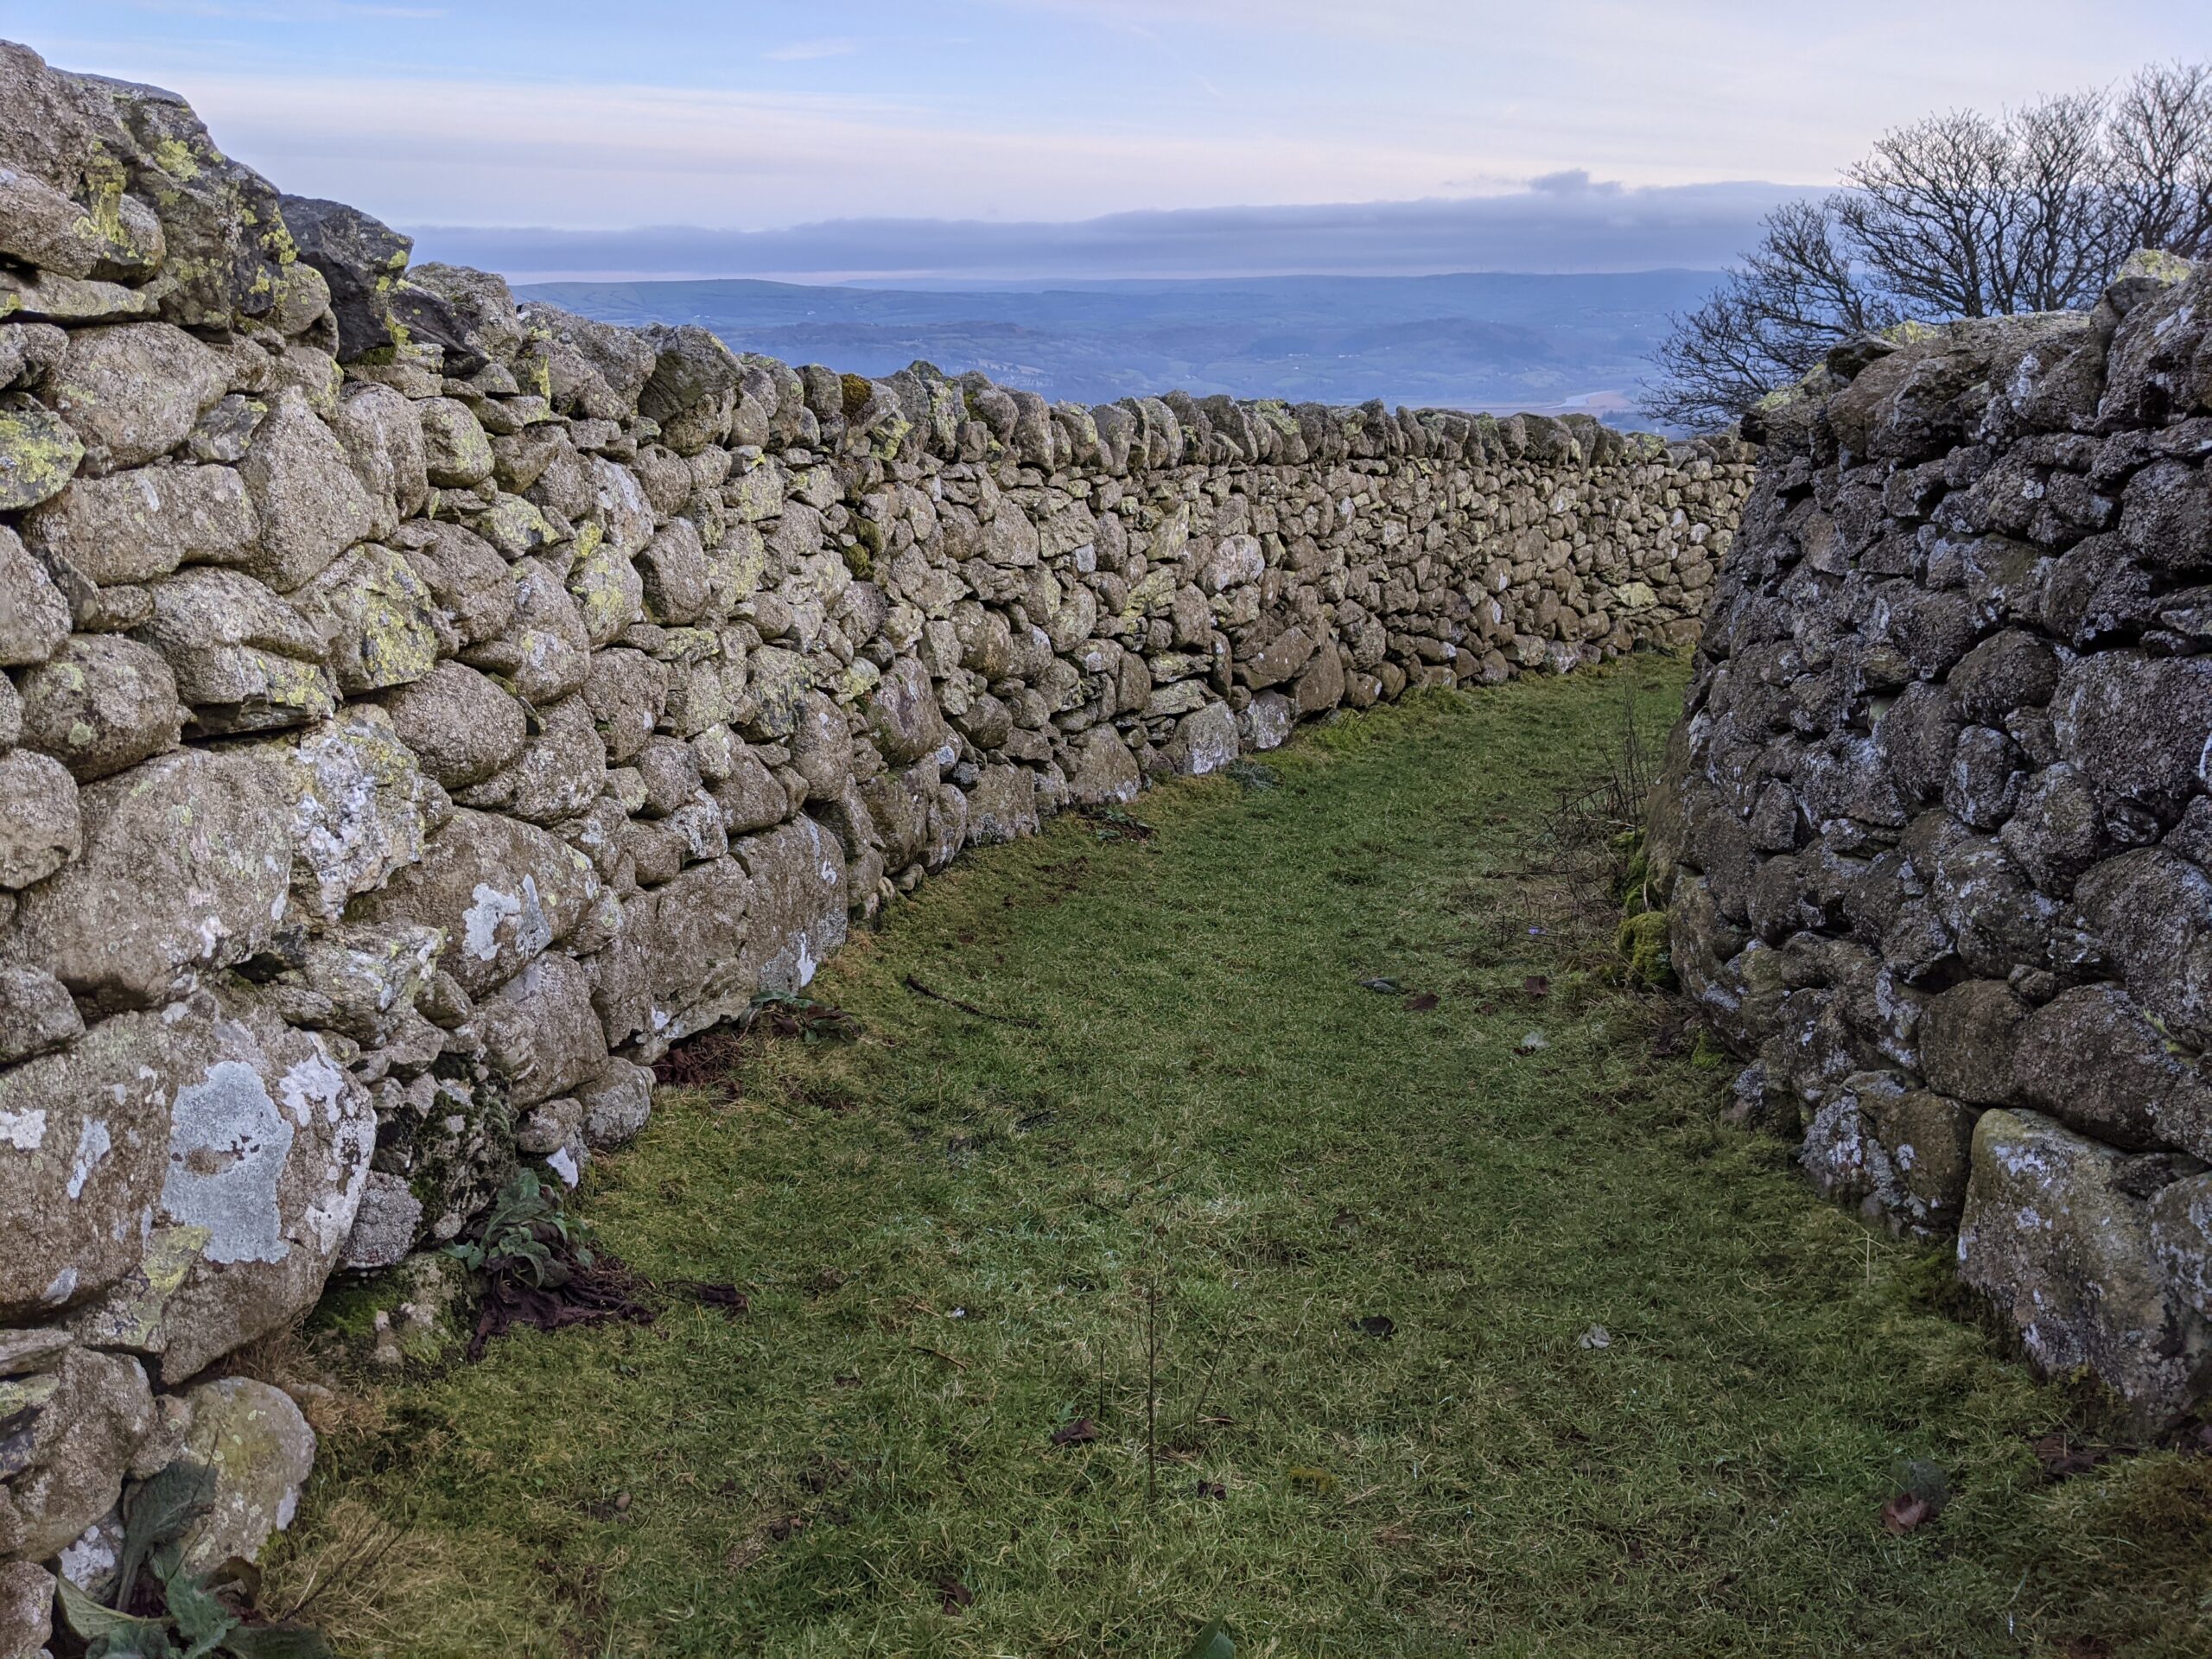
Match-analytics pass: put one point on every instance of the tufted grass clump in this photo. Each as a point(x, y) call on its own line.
point(1177, 1260)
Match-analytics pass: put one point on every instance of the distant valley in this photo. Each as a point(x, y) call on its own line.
point(1479, 341)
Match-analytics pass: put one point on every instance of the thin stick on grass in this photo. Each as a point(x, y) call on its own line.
point(920, 989)
point(1151, 1390)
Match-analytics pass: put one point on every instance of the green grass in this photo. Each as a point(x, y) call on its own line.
point(950, 1229)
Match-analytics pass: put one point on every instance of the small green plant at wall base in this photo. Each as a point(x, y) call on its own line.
point(519, 1235)
point(162, 1609)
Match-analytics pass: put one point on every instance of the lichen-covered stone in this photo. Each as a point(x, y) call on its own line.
point(310, 505)
point(2055, 1238)
point(185, 868)
point(538, 1030)
point(903, 715)
point(245, 659)
point(258, 1450)
point(1899, 1153)
point(461, 727)
point(386, 1224)
point(2093, 1059)
point(501, 890)
point(1204, 741)
point(360, 261)
point(545, 652)
point(83, 1138)
point(357, 807)
point(41, 825)
point(617, 1100)
point(100, 703)
point(39, 452)
point(34, 616)
point(455, 452)
point(80, 1427)
point(133, 390)
point(797, 906)
point(268, 1149)
point(362, 979)
point(134, 527)
point(37, 1013)
point(377, 616)
point(25, 1609)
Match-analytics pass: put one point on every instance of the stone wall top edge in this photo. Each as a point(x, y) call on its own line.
point(167, 227)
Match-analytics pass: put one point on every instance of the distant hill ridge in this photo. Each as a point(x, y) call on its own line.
point(1496, 341)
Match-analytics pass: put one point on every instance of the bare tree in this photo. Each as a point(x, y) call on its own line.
point(2161, 140)
point(1794, 297)
point(1959, 215)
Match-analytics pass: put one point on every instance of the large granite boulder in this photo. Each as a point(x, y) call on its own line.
point(185, 865)
point(100, 703)
point(2059, 1238)
point(501, 890)
point(258, 1452)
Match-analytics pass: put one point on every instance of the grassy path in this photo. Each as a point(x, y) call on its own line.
point(956, 1232)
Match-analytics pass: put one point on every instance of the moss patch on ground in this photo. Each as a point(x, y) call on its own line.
point(1367, 1329)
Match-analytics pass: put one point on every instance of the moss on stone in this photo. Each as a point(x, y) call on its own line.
point(1641, 942)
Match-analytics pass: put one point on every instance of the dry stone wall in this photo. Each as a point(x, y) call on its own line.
point(1936, 826)
point(421, 710)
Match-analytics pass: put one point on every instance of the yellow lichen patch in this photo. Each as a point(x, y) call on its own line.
point(174, 158)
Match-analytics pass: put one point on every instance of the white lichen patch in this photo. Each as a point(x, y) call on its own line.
point(228, 1147)
point(481, 921)
point(93, 1143)
point(311, 1083)
point(25, 1131)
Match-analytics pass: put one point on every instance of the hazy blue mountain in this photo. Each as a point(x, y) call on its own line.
point(1477, 342)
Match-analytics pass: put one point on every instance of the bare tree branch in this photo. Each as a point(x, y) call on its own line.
point(1959, 215)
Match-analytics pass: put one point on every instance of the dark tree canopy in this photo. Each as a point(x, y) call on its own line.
point(1959, 215)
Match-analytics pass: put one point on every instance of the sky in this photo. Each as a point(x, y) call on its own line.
point(1119, 136)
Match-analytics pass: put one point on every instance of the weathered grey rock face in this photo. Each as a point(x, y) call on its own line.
point(311, 504)
point(26, 1608)
point(259, 1451)
point(501, 890)
point(75, 1432)
point(41, 822)
point(134, 390)
point(1935, 829)
point(422, 711)
point(84, 1136)
point(185, 866)
point(100, 703)
point(137, 525)
point(2055, 1236)
point(34, 616)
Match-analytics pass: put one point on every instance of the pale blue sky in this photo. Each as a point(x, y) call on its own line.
point(762, 115)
